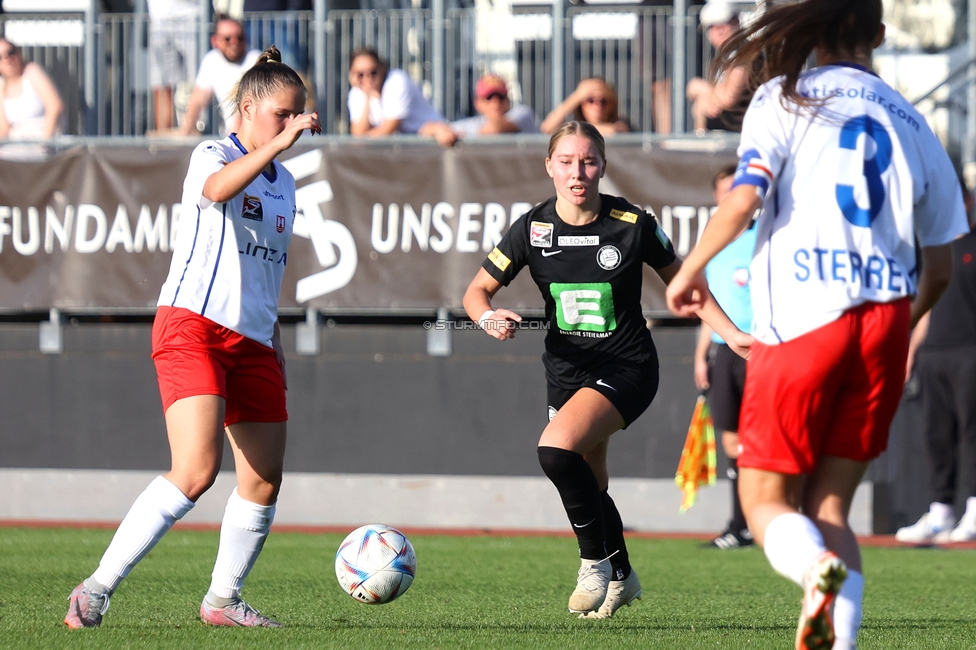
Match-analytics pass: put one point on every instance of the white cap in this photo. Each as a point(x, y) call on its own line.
point(716, 12)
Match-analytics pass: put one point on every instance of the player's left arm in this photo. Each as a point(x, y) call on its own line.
point(688, 291)
point(933, 280)
point(709, 310)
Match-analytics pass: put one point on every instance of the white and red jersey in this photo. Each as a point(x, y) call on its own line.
point(847, 188)
point(229, 258)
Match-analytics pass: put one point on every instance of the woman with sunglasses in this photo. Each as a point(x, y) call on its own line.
point(593, 101)
point(383, 100)
point(31, 108)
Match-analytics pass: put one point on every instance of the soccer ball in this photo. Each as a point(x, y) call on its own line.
point(375, 564)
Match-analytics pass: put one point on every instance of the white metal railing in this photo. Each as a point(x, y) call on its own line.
point(100, 62)
point(102, 69)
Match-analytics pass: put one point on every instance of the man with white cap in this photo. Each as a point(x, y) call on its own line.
point(719, 105)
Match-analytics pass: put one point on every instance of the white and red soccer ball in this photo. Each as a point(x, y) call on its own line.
point(375, 564)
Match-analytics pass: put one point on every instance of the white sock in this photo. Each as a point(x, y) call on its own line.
point(942, 512)
point(242, 534)
point(792, 544)
point(153, 512)
point(970, 508)
point(847, 611)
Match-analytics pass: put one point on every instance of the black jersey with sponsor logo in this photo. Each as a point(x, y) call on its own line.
point(590, 277)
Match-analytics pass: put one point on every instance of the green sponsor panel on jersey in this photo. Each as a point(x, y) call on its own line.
point(584, 306)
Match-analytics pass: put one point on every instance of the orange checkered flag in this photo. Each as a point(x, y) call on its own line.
point(697, 464)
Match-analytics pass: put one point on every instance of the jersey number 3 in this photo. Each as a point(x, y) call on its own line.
point(873, 168)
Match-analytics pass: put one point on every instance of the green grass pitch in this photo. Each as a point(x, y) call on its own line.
point(470, 592)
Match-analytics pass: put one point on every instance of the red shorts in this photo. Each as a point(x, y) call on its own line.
point(196, 356)
point(833, 391)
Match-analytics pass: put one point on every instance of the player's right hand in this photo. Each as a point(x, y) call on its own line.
point(293, 131)
point(686, 293)
point(502, 324)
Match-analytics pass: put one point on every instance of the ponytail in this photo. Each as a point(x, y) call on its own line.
point(268, 76)
point(779, 43)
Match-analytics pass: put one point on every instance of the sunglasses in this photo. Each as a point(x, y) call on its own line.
point(369, 73)
point(496, 96)
point(597, 100)
point(231, 39)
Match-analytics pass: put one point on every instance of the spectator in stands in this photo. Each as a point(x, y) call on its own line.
point(383, 101)
point(280, 31)
point(719, 105)
point(172, 52)
point(220, 70)
point(942, 353)
point(31, 108)
point(593, 101)
point(495, 115)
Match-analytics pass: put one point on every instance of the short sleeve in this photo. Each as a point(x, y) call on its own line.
point(657, 250)
point(940, 215)
point(395, 96)
point(512, 253)
point(206, 160)
point(764, 146)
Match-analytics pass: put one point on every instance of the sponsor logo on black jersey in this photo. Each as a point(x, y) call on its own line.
point(252, 208)
point(629, 217)
point(578, 240)
point(584, 309)
point(608, 258)
point(540, 234)
point(499, 259)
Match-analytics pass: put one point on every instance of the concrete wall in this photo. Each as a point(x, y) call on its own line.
point(373, 402)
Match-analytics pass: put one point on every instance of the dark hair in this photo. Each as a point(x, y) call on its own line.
point(723, 173)
point(584, 129)
point(780, 41)
point(612, 109)
point(268, 76)
point(16, 49)
point(219, 18)
point(370, 52)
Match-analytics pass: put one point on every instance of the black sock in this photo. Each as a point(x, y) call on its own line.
point(613, 525)
point(578, 489)
point(738, 522)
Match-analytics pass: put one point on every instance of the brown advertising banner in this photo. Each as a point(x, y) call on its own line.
point(379, 229)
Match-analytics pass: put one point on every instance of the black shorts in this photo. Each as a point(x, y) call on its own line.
point(629, 387)
point(727, 379)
